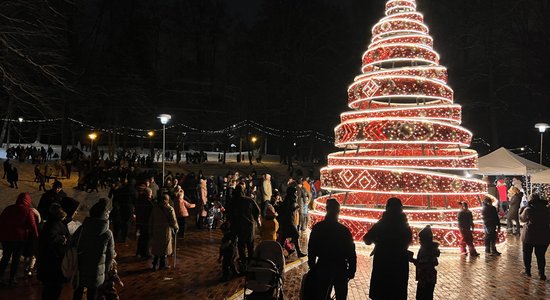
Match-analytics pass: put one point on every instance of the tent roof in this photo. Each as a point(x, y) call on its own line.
point(504, 162)
point(541, 177)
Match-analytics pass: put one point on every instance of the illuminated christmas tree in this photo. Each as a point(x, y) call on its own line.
point(403, 137)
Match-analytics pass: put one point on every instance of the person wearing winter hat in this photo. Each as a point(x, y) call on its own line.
point(491, 223)
point(270, 226)
point(69, 205)
point(391, 236)
point(466, 226)
point(53, 243)
point(95, 250)
point(18, 225)
point(55, 195)
point(425, 263)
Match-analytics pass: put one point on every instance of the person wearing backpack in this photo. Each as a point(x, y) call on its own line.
point(52, 246)
point(95, 251)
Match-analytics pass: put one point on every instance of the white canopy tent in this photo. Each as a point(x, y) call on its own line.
point(503, 162)
point(541, 177)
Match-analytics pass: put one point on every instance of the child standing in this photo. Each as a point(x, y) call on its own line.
point(466, 226)
point(425, 263)
point(228, 252)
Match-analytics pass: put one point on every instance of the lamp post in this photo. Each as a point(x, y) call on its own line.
point(542, 128)
point(20, 121)
point(164, 118)
point(151, 134)
point(92, 137)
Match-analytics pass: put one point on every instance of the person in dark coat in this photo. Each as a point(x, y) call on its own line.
point(287, 225)
point(425, 263)
point(245, 213)
point(391, 237)
point(123, 203)
point(53, 243)
point(144, 205)
point(17, 225)
point(332, 254)
point(513, 211)
point(536, 233)
point(13, 176)
point(55, 195)
point(491, 224)
point(466, 226)
point(69, 205)
point(95, 250)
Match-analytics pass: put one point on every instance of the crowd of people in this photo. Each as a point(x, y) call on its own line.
point(247, 208)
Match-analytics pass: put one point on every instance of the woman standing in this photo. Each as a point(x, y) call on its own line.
point(288, 222)
point(52, 246)
point(95, 251)
point(181, 212)
point(202, 200)
point(162, 227)
point(536, 233)
point(513, 212)
point(17, 225)
point(391, 237)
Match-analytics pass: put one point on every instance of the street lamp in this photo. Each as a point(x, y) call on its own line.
point(542, 128)
point(151, 134)
point(164, 118)
point(92, 137)
point(20, 133)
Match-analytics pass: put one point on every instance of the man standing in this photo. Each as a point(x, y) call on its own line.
point(55, 195)
point(332, 265)
point(244, 213)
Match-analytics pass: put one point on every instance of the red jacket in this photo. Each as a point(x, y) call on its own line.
point(17, 220)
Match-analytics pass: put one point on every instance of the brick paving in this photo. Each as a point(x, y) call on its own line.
point(197, 273)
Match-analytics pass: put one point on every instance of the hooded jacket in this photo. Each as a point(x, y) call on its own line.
point(537, 223)
point(95, 251)
point(17, 221)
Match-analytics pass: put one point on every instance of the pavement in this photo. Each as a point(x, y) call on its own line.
point(197, 272)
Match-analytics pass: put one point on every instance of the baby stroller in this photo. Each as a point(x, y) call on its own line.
point(264, 272)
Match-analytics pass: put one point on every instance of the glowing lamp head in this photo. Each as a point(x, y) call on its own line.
point(542, 127)
point(20, 119)
point(254, 139)
point(164, 118)
point(151, 133)
point(92, 136)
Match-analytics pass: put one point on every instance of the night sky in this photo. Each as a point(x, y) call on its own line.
point(286, 64)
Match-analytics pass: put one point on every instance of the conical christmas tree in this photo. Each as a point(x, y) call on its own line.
point(403, 138)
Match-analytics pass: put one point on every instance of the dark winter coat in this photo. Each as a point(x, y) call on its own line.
point(95, 251)
point(52, 246)
point(490, 216)
point(537, 228)
point(324, 237)
point(17, 221)
point(465, 219)
point(390, 271)
point(47, 199)
point(287, 227)
point(144, 205)
point(244, 213)
point(513, 211)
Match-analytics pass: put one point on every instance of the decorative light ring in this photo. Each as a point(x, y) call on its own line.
point(451, 113)
point(392, 53)
point(370, 131)
point(410, 153)
point(396, 3)
point(399, 86)
point(397, 181)
point(390, 25)
point(411, 15)
point(361, 158)
point(398, 62)
point(399, 10)
point(416, 39)
point(433, 72)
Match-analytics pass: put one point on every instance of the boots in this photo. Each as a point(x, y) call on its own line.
point(541, 274)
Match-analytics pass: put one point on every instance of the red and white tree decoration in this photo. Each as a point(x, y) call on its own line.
point(403, 138)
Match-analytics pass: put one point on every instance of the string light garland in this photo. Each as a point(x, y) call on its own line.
point(403, 137)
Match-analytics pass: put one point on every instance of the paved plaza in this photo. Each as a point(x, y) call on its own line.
point(197, 274)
